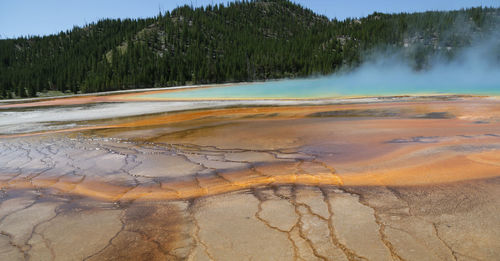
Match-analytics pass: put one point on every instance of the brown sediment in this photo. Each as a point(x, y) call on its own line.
point(155, 228)
point(179, 230)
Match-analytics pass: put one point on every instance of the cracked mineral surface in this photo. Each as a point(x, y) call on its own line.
point(381, 180)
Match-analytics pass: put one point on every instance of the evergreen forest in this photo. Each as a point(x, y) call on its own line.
point(237, 42)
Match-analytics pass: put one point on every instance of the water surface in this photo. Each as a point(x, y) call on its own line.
point(338, 87)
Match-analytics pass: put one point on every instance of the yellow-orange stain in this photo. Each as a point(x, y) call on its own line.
point(440, 171)
point(467, 110)
point(400, 171)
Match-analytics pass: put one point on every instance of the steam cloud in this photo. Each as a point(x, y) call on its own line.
point(472, 70)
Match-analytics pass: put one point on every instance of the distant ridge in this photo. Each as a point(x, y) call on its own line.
point(243, 41)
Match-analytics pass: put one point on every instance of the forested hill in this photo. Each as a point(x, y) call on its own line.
point(243, 41)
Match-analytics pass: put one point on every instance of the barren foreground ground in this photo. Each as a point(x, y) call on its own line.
point(392, 180)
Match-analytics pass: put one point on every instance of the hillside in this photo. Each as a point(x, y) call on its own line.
point(244, 41)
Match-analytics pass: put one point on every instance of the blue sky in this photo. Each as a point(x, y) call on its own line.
point(41, 17)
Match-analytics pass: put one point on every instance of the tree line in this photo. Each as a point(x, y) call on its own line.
point(240, 41)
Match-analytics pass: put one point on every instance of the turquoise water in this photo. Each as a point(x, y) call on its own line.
point(367, 84)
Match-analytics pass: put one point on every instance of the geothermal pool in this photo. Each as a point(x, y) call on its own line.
point(321, 88)
point(138, 176)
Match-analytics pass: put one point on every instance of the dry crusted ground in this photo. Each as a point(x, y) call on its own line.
point(390, 181)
